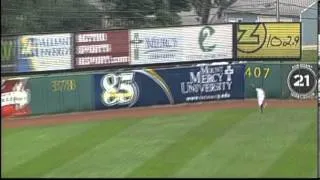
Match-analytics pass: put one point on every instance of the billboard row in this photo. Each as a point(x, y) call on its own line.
point(223, 42)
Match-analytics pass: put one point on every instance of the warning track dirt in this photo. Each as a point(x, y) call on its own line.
point(142, 112)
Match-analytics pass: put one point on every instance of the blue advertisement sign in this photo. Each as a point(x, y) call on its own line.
point(149, 87)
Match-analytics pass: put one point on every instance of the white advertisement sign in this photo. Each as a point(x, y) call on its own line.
point(45, 52)
point(169, 45)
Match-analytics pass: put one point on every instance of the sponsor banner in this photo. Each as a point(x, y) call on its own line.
point(15, 97)
point(302, 81)
point(44, 52)
point(98, 49)
point(8, 54)
point(181, 44)
point(168, 86)
point(269, 40)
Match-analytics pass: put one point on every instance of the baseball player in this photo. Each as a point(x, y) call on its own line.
point(261, 98)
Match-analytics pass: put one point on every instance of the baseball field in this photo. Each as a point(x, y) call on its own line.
point(221, 139)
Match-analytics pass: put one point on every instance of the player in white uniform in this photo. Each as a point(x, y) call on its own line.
point(261, 98)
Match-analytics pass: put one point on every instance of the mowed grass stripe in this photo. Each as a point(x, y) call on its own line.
point(251, 146)
point(130, 148)
point(27, 143)
point(10, 131)
point(300, 159)
point(68, 150)
point(265, 146)
point(172, 158)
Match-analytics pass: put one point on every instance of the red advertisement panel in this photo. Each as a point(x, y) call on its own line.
point(15, 97)
point(99, 49)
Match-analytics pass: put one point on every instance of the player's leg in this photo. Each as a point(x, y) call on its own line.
point(260, 103)
point(264, 104)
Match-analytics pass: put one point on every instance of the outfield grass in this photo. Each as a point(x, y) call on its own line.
point(226, 143)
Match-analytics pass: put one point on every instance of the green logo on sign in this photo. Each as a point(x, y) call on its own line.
point(7, 51)
point(205, 33)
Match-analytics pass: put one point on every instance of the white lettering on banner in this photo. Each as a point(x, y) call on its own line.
point(100, 60)
point(205, 88)
point(96, 37)
point(202, 98)
point(205, 78)
point(208, 79)
point(94, 49)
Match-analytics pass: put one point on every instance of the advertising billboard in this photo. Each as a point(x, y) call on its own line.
point(99, 49)
point(44, 52)
point(149, 87)
point(269, 41)
point(8, 54)
point(15, 97)
point(181, 44)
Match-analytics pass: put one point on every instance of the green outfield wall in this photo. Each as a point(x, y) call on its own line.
point(76, 92)
point(60, 94)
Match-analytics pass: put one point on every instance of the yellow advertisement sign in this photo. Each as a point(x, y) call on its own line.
point(269, 40)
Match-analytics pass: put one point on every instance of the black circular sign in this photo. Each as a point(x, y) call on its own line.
point(302, 81)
